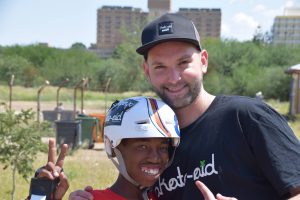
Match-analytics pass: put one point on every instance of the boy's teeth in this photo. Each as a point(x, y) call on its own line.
point(150, 171)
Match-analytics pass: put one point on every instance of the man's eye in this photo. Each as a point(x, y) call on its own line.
point(184, 62)
point(159, 67)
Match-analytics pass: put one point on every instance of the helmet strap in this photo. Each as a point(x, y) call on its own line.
point(120, 165)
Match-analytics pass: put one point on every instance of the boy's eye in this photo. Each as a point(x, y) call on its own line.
point(164, 148)
point(142, 147)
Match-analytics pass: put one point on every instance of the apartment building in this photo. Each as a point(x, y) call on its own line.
point(159, 7)
point(286, 28)
point(110, 19)
point(207, 21)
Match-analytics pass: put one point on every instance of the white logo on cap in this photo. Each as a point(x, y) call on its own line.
point(165, 28)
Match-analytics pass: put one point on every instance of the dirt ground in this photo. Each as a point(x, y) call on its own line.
point(19, 105)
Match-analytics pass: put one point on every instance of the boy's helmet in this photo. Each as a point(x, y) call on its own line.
point(138, 117)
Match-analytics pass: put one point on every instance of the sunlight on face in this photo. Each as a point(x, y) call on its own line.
point(145, 158)
point(175, 71)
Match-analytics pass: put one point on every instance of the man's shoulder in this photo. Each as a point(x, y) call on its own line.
point(237, 102)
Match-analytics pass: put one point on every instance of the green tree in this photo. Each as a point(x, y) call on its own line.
point(13, 65)
point(36, 54)
point(20, 142)
point(126, 72)
point(78, 45)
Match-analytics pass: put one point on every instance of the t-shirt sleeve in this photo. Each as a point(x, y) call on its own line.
point(274, 145)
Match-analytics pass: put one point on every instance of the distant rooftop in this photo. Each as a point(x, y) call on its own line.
point(292, 11)
point(120, 7)
point(200, 9)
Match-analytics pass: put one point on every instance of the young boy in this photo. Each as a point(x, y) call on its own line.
point(140, 136)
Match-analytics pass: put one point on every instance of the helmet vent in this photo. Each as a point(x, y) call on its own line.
point(146, 121)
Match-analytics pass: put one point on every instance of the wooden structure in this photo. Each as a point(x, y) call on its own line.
point(295, 89)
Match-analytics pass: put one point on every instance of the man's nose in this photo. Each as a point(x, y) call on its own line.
point(174, 76)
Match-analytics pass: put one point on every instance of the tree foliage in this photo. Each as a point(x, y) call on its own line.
point(20, 141)
point(241, 68)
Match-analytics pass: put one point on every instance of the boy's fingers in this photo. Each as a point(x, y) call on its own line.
point(207, 194)
point(51, 151)
point(88, 188)
point(62, 155)
point(55, 170)
point(45, 173)
point(62, 187)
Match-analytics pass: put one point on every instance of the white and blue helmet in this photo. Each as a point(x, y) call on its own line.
point(138, 117)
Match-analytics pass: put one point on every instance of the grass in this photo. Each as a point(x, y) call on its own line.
point(283, 108)
point(84, 167)
point(66, 94)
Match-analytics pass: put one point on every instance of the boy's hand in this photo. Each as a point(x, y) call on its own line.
point(82, 194)
point(53, 169)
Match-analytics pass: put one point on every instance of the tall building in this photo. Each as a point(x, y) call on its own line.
point(159, 7)
point(110, 19)
point(286, 28)
point(207, 21)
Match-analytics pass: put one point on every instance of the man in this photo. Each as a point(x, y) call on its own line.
point(235, 145)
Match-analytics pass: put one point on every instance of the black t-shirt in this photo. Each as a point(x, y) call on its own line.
point(240, 147)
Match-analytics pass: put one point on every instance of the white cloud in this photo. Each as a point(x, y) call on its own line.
point(265, 15)
point(241, 27)
point(289, 3)
point(246, 20)
point(259, 8)
point(225, 29)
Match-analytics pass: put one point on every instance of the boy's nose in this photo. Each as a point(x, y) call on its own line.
point(154, 156)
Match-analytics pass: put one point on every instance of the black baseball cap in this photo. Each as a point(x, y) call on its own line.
point(168, 27)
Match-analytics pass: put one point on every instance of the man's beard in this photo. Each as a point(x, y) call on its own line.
point(193, 92)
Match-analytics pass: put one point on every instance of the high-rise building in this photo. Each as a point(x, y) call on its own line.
point(207, 21)
point(286, 28)
point(159, 7)
point(110, 19)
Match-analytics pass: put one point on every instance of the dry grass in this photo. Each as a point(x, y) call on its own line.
point(84, 167)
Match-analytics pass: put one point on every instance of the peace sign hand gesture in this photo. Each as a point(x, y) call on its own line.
point(54, 170)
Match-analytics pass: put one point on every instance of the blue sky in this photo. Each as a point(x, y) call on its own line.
point(60, 23)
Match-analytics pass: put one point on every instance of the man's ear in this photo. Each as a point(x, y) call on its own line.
point(146, 69)
point(204, 60)
point(204, 57)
